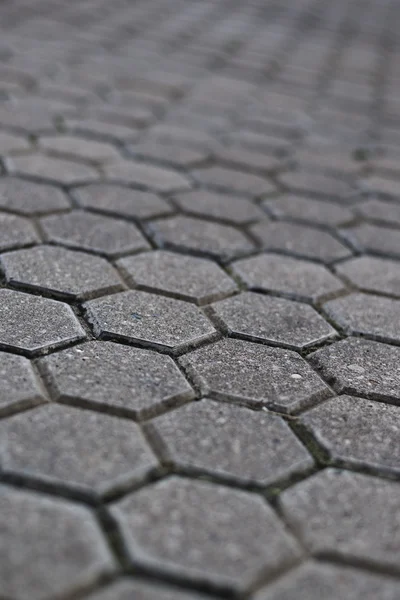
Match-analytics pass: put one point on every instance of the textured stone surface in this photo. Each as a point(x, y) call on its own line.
point(85, 150)
point(181, 525)
point(304, 209)
point(126, 589)
point(176, 156)
point(61, 271)
point(235, 370)
point(319, 184)
point(19, 385)
point(120, 379)
point(263, 318)
point(372, 274)
point(160, 179)
point(375, 239)
point(287, 276)
point(186, 277)
point(230, 441)
point(154, 320)
point(236, 181)
point(380, 211)
point(16, 232)
point(107, 451)
point(54, 169)
point(69, 551)
point(29, 198)
point(330, 513)
point(361, 367)
point(10, 143)
point(98, 233)
point(219, 206)
point(31, 323)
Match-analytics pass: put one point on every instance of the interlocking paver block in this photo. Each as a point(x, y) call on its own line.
point(127, 589)
point(29, 198)
point(187, 277)
point(372, 274)
point(376, 425)
point(236, 181)
point(31, 323)
point(54, 169)
point(304, 209)
point(50, 546)
point(118, 378)
point(98, 233)
point(314, 581)
point(375, 316)
point(318, 184)
point(19, 386)
point(382, 185)
point(159, 179)
point(16, 232)
point(374, 239)
point(347, 513)
point(177, 156)
point(154, 320)
point(101, 128)
point(230, 441)
point(380, 211)
point(79, 148)
point(196, 528)
point(288, 276)
point(299, 240)
point(255, 374)
point(248, 159)
point(361, 367)
point(214, 239)
point(61, 271)
point(263, 318)
point(10, 143)
point(66, 445)
point(219, 206)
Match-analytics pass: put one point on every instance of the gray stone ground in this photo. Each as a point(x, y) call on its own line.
point(200, 303)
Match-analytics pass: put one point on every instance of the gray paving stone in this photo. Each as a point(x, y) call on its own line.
point(244, 158)
point(374, 239)
point(382, 185)
point(16, 232)
point(205, 237)
point(219, 206)
point(121, 201)
point(61, 271)
point(264, 318)
point(194, 528)
point(98, 233)
point(186, 277)
point(304, 209)
point(19, 387)
point(177, 156)
point(380, 211)
point(376, 425)
point(153, 320)
point(230, 441)
point(159, 179)
point(319, 184)
point(236, 181)
point(299, 240)
point(29, 198)
point(10, 143)
point(127, 589)
point(101, 128)
point(372, 274)
point(120, 379)
point(55, 169)
point(107, 452)
point(288, 276)
point(361, 367)
point(330, 513)
point(375, 316)
point(32, 323)
point(236, 370)
point(314, 581)
point(79, 148)
point(50, 547)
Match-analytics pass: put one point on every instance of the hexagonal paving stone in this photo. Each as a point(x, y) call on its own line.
point(33, 324)
point(230, 441)
point(122, 380)
point(54, 169)
point(361, 367)
point(10, 142)
point(98, 233)
point(318, 184)
point(376, 425)
point(99, 127)
point(330, 513)
point(290, 277)
point(160, 179)
point(317, 581)
point(187, 277)
point(176, 156)
point(303, 209)
point(276, 320)
point(121, 201)
point(29, 198)
point(380, 211)
point(244, 158)
point(107, 452)
point(299, 240)
point(60, 271)
point(204, 531)
point(69, 550)
point(16, 232)
point(205, 237)
point(19, 385)
point(382, 185)
point(220, 206)
point(127, 589)
point(372, 274)
point(365, 314)
point(255, 374)
point(234, 180)
point(79, 148)
point(374, 239)
point(154, 320)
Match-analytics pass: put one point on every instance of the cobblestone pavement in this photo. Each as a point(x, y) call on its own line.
point(200, 300)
